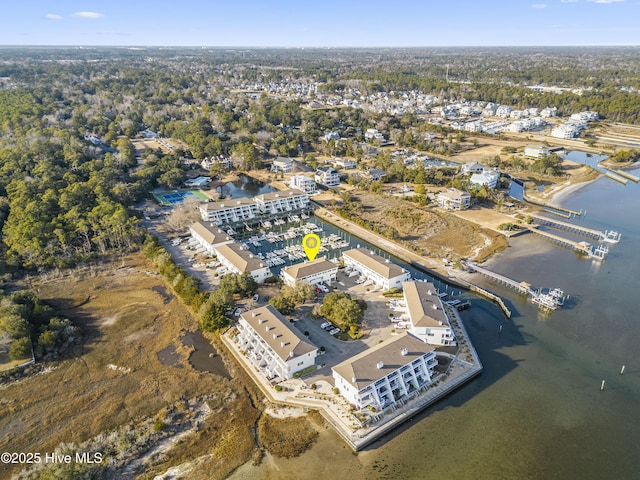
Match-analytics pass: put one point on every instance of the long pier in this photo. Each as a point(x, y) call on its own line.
point(565, 242)
point(521, 287)
point(588, 232)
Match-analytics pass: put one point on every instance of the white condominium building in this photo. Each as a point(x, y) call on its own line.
point(274, 345)
point(240, 261)
point(209, 237)
point(383, 273)
point(235, 210)
point(282, 201)
point(429, 321)
point(319, 270)
point(385, 373)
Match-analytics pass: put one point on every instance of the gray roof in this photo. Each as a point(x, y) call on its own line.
point(210, 233)
point(375, 262)
point(292, 192)
point(364, 366)
point(285, 340)
point(454, 194)
point(243, 260)
point(236, 202)
point(302, 270)
point(421, 298)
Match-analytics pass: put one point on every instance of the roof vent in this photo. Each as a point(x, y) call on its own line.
point(429, 292)
point(380, 364)
point(282, 344)
point(267, 328)
point(254, 314)
point(404, 352)
point(434, 306)
point(275, 335)
point(353, 380)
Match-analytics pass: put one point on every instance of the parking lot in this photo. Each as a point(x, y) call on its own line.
point(376, 327)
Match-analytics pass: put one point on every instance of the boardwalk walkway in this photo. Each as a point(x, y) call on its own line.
point(589, 232)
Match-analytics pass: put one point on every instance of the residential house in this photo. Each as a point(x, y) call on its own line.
point(453, 199)
point(272, 344)
point(488, 177)
point(468, 168)
point(344, 163)
point(375, 174)
point(535, 151)
point(385, 373)
point(429, 320)
point(319, 270)
point(303, 183)
point(327, 176)
point(281, 164)
point(381, 272)
point(237, 260)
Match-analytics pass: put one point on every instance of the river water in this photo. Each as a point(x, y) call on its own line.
point(537, 411)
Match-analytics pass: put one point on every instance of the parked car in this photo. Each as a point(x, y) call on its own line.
point(256, 297)
point(326, 325)
point(335, 331)
point(237, 311)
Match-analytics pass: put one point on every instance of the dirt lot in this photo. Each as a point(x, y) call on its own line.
point(432, 232)
point(127, 315)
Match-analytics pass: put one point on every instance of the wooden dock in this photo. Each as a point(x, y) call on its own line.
point(521, 287)
point(565, 242)
point(570, 227)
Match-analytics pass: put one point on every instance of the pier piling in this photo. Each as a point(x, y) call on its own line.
point(622, 370)
point(602, 386)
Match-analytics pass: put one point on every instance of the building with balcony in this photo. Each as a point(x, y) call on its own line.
point(282, 164)
point(317, 271)
point(282, 202)
point(303, 183)
point(273, 344)
point(386, 373)
point(429, 320)
point(453, 199)
point(488, 177)
point(237, 260)
point(229, 211)
point(327, 176)
point(209, 236)
point(381, 272)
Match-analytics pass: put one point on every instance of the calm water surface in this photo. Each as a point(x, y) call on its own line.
point(537, 411)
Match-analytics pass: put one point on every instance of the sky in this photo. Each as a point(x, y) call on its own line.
point(328, 23)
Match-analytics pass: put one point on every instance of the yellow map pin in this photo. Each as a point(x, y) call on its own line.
point(311, 245)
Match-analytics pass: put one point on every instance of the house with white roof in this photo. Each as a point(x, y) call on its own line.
point(381, 272)
point(317, 271)
point(385, 373)
point(488, 177)
point(343, 163)
point(229, 211)
point(327, 176)
point(274, 345)
point(454, 199)
point(237, 260)
point(209, 236)
point(429, 320)
point(303, 183)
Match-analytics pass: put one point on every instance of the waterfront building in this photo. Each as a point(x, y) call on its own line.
point(473, 167)
point(235, 210)
point(453, 199)
point(303, 183)
point(385, 373)
point(536, 151)
point(282, 164)
point(327, 176)
point(237, 260)
point(319, 270)
point(380, 271)
point(209, 236)
point(274, 345)
point(429, 320)
point(282, 201)
point(344, 163)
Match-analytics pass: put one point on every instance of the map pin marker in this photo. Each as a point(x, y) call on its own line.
point(311, 245)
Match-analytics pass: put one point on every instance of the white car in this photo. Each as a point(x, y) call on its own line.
point(326, 325)
point(335, 331)
point(256, 297)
